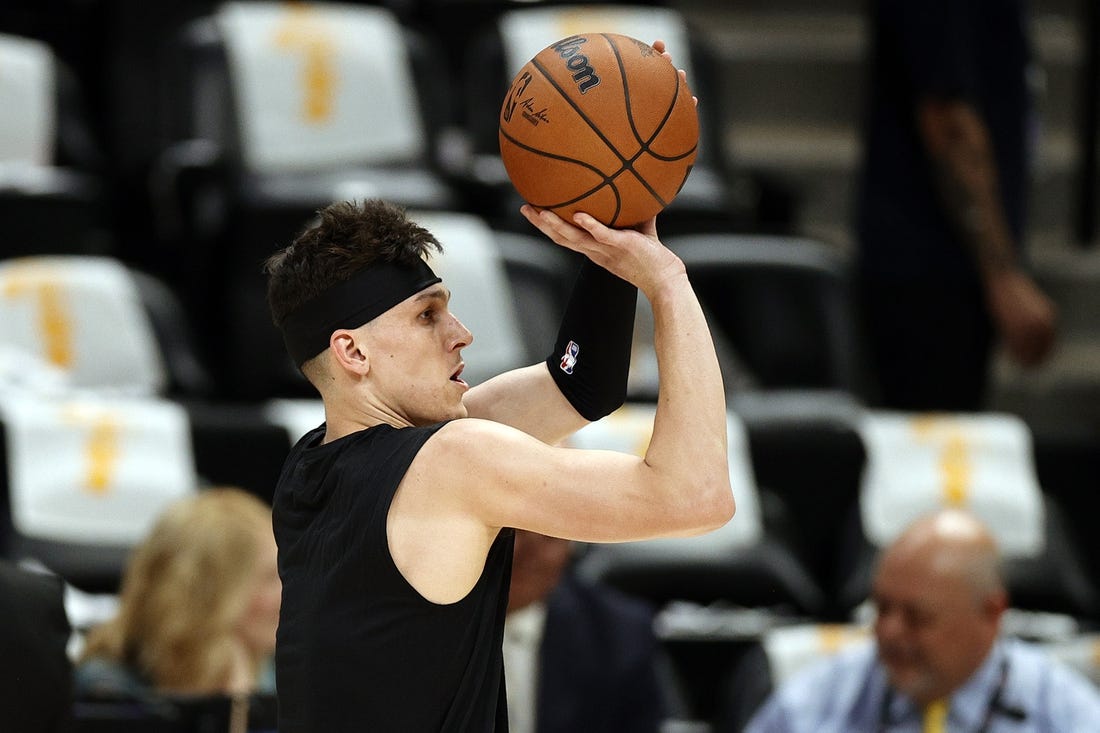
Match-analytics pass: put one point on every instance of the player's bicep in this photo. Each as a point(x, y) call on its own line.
point(512, 480)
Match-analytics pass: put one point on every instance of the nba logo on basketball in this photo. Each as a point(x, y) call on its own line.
point(569, 358)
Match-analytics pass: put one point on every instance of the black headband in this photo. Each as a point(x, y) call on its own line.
point(361, 298)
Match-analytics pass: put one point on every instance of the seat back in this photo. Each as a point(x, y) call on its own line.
point(282, 109)
point(737, 563)
point(984, 463)
point(919, 463)
point(295, 416)
point(310, 80)
point(526, 31)
point(36, 691)
point(83, 316)
point(807, 455)
point(783, 303)
point(27, 89)
point(791, 648)
point(86, 477)
point(51, 187)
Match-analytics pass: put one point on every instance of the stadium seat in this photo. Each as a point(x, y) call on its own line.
point(99, 325)
point(280, 109)
point(83, 479)
point(1068, 467)
point(984, 463)
point(784, 304)
point(235, 444)
point(808, 455)
point(740, 564)
point(53, 193)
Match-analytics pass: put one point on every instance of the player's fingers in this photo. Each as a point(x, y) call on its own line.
point(557, 229)
point(684, 78)
point(606, 235)
point(649, 228)
point(531, 214)
point(592, 225)
point(625, 237)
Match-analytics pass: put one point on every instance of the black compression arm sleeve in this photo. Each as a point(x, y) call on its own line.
point(591, 358)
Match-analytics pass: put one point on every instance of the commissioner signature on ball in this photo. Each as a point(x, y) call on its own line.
point(531, 115)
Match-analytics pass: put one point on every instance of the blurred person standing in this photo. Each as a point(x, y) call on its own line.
point(947, 143)
point(198, 607)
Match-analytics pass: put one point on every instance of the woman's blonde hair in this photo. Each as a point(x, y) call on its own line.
point(184, 589)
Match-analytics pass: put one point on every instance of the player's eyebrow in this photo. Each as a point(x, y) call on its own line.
point(434, 292)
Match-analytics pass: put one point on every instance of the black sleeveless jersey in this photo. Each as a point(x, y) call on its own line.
point(358, 648)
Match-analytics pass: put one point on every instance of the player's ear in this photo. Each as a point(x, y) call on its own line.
point(349, 351)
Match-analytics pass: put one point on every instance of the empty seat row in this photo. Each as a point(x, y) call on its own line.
point(84, 474)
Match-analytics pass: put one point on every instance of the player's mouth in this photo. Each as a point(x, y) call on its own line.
point(456, 375)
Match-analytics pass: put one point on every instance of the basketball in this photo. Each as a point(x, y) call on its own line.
point(600, 123)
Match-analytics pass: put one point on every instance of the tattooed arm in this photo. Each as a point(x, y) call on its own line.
point(959, 147)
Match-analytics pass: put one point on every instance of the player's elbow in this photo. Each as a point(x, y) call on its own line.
point(708, 506)
point(718, 504)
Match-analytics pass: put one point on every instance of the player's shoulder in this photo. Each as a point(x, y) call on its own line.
point(477, 428)
point(470, 437)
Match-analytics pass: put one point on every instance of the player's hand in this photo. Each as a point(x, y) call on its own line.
point(660, 47)
point(636, 255)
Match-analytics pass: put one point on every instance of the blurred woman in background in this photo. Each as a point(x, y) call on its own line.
point(198, 606)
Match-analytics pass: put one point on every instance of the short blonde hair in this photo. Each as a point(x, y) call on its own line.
point(184, 589)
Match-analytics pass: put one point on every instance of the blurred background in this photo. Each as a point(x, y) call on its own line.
point(153, 154)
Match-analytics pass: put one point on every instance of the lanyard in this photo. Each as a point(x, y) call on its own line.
point(996, 706)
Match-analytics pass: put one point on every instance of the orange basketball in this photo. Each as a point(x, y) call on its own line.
point(600, 123)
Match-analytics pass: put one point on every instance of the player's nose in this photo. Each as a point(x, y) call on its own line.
point(462, 336)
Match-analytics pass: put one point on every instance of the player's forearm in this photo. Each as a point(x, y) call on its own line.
point(689, 431)
point(965, 175)
point(526, 399)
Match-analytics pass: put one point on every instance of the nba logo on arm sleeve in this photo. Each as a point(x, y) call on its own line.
point(569, 358)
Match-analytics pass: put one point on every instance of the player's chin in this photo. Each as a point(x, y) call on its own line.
point(457, 411)
point(432, 417)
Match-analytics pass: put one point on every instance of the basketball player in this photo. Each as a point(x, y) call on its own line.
point(394, 517)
